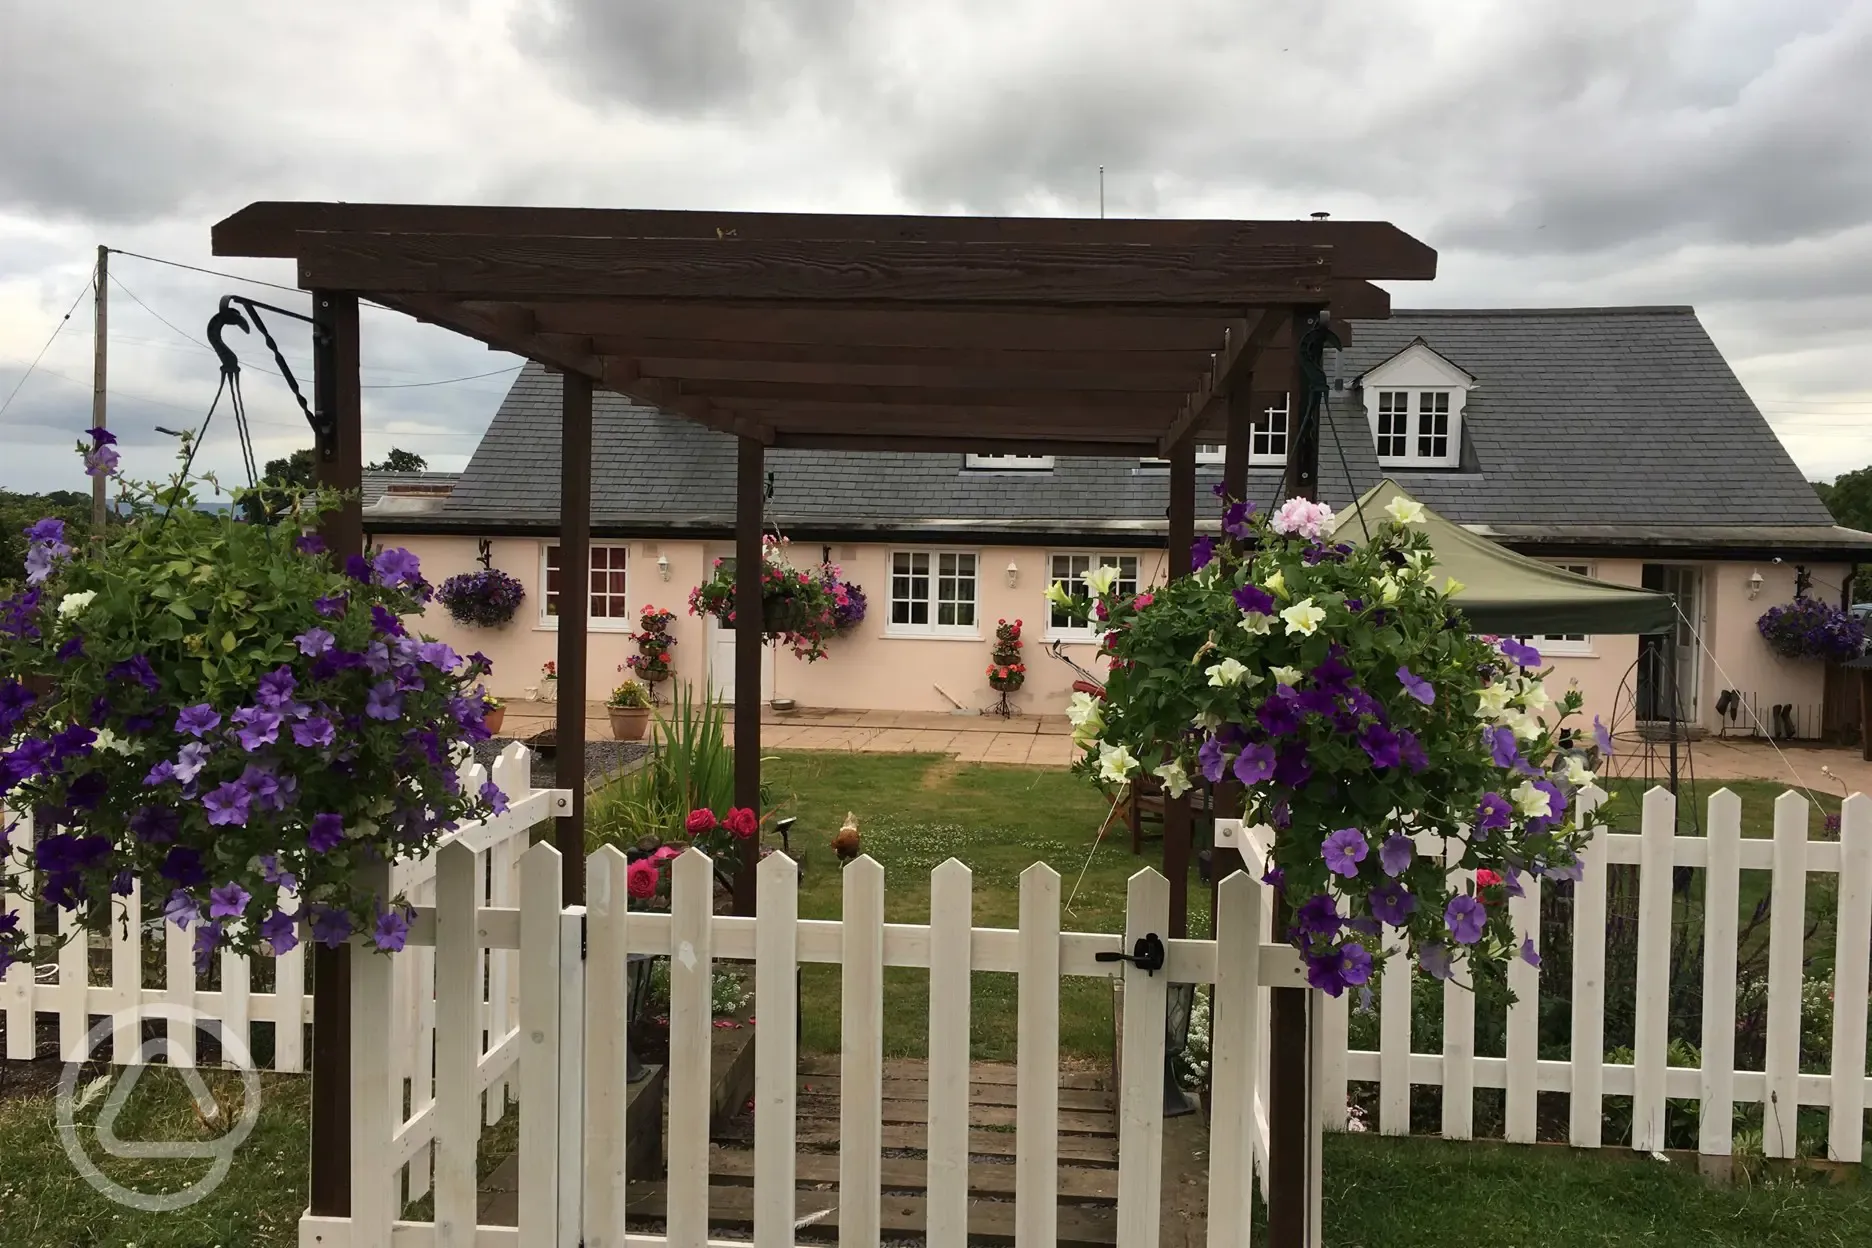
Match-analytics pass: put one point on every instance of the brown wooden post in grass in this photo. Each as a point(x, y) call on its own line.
point(1177, 820)
point(575, 442)
point(750, 499)
point(1290, 1198)
point(338, 463)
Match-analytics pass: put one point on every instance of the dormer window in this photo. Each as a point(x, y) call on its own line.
point(1008, 463)
point(1414, 401)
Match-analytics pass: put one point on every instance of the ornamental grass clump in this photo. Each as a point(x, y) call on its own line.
point(211, 708)
point(1339, 686)
point(484, 599)
point(1810, 629)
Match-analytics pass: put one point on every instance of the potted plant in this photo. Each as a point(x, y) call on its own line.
point(484, 599)
point(549, 681)
point(1339, 687)
point(629, 708)
point(651, 663)
point(495, 715)
point(245, 729)
point(1006, 672)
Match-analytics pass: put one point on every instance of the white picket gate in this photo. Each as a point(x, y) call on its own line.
point(568, 1045)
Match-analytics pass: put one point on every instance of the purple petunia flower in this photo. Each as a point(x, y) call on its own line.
point(228, 901)
point(384, 702)
point(314, 642)
point(137, 667)
point(1355, 963)
point(228, 804)
point(1292, 769)
point(273, 873)
point(1256, 763)
point(1275, 878)
point(330, 927)
point(74, 741)
point(397, 567)
point(1252, 598)
point(190, 760)
point(386, 622)
point(15, 699)
point(1435, 961)
point(314, 733)
point(281, 932)
point(181, 909)
point(276, 688)
point(1212, 759)
point(1520, 652)
point(101, 459)
point(438, 654)
point(1411, 751)
point(1396, 854)
point(1529, 954)
point(183, 864)
point(1235, 520)
point(1465, 918)
point(392, 930)
point(259, 725)
point(330, 608)
point(207, 940)
point(496, 800)
point(325, 834)
point(1278, 715)
point(71, 648)
point(162, 773)
point(1502, 747)
point(1202, 552)
point(1602, 737)
point(1343, 851)
point(1392, 903)
point(197, 720)
point(1494, 813)
point(310, 544)
point(377, 658)
point(87, 790)
point(1319, 915)
point(49, 531)
point(1416, 686)
point(358, 568)
point(155, 825)
point(1381, 745)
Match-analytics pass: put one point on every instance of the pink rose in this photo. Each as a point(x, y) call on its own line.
point(664, 853)
point(699, 822)
point(640, 878)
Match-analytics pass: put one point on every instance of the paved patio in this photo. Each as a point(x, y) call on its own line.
point(1025, 740)
point(1796, 764)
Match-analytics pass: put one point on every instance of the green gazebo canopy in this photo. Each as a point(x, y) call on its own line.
point(1508, 593)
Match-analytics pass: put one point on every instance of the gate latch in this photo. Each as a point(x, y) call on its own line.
point(1147, 955)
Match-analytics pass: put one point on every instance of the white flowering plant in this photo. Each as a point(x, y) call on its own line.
point(1340, 687)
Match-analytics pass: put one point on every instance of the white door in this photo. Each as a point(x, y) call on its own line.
point(721, 656)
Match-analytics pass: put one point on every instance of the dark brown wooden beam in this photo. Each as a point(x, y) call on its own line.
point(1178, 823)
point(957, 445)
point(1112, 375)
point(736, 394)
point(649, 350)
point(1236, 363)
point(1301, 479)
point(575, 473)
point(336, 392)
point(1053, 427)
point(891, 274)
point(749, 700)
point(1366, 249)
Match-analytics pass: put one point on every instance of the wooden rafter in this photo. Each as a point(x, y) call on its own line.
point(1237, 360)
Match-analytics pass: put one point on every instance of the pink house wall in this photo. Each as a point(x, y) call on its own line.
point(873, 670)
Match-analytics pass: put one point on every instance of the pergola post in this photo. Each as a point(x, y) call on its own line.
point(575, 441)
point(338, 465)
point(750, 642)
point(1177, 819)
point(1241, 416)
point(1293, 1203)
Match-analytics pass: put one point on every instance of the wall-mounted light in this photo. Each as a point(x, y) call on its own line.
point(1013, 573)
point(1755, 583)
point(663, 566)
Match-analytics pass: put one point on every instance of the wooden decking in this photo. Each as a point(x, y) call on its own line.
point(1088, 1150)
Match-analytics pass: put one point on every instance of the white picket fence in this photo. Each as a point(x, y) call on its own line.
point(77, 992)
point(568, 1044)
point(1717, 1086)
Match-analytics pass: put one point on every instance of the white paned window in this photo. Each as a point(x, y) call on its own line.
point(606, 582)
point(1267, 442)
point(1008, 463)
point(1393, 425)
point(1550, 644)
point(1433, 425)
point(933, 594)
point(1069, 570)
point(1417, 427)
point(1206, 453)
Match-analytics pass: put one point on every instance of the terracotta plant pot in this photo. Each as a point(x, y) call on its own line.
point(629, 723)
point(494, 719)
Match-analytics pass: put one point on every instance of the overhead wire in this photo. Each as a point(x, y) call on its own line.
point(20, 384)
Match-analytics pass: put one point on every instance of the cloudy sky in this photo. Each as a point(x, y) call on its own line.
point(1556, 152)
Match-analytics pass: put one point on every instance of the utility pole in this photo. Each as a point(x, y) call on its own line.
point(100, 342)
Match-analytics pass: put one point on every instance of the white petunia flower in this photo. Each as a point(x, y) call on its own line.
point(1276, 584)
point(1057, 595)
point(1176, 780)
point(72, 604)
point(1208, 721)
point(1288, 676)
point(1534, 696)
point(1303, 618)
point(1115, 762)
point(1227, 672)
point(1255, 624)
point(1082, 708)
point(1452, 587)
point(1101, 579)
point(1532, 802)
point(1387, 590)
point(1526, 727)
point(1405, 510)
point(1577, 773)
point(1494, 700)
point(108, 740)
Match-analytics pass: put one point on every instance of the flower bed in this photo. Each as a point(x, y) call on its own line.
point(208, 706)
point(1340, 688)
point(484, 599)
point(1810, 629)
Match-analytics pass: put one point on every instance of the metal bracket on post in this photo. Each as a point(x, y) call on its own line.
point(1147, 955)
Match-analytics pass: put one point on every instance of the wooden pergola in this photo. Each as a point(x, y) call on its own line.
point(1025, 336)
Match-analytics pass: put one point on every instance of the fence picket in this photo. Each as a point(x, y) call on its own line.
point(126, 937)
point(776, 1049)
point(1459, 1037)
point(458, 1036)
point(1585, 1104)
point(861, 1042)
point(422, 1011)
point(1394, 1045)
point(1234, 1028)
point(951, 920)
point(1140, 1074)
point(374, 1115)
point(692, 903)
point(1523, 1046)
point(541, 897)
point(289, 999)
point(1786, 937)
point(1721, 886)
point(1852, 932)
point(236, 1013)
point(1335, 1025)
point(571, 1161)
point(1650, 1035)
point(19, 982)
point(503, 861)
point(1036, 1143)
point(179, 990)
point(74, 979)
point(607, 1036)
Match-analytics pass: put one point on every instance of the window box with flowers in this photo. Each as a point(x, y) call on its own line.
point(230, 720)
point(1339, 688)
point(629, 709)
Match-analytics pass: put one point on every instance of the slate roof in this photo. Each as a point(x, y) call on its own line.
point(1590, 416)
point(376, 484)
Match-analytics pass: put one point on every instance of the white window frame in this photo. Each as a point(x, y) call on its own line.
point(1263, 435)
point(1206, 453)
point(1381, 402)
point(1565, 645)
point(597, 624)
point(1092, 629)
point(932, 596)
point(1007, 463)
